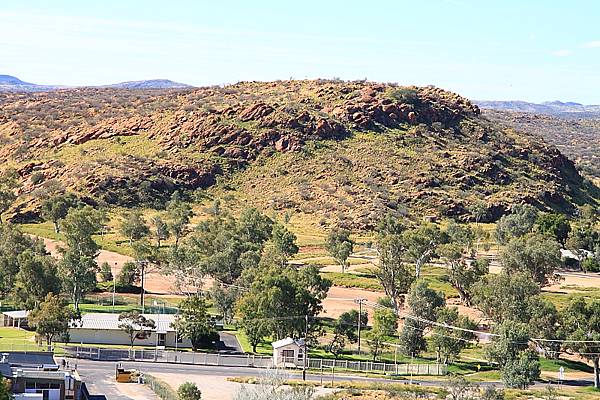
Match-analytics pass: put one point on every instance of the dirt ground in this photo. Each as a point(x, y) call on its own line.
point(155, 282)
point(212, 387)
point(136, 392)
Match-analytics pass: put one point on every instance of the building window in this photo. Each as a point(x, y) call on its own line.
point(288, 355)
point(162, 339)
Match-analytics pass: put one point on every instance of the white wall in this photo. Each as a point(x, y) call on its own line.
point(113, 336)
point(278, 354)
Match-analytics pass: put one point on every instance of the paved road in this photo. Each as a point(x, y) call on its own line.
point(100, 375)
point(229, 344)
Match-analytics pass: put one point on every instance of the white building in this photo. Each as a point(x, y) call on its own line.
point(15, 319)
point(288, 352)
point(101, 328)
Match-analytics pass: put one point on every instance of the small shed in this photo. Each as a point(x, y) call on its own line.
point(15, 319)
point(289, 352)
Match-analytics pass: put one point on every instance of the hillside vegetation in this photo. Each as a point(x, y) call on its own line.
point(349, 151)
point(575, 136)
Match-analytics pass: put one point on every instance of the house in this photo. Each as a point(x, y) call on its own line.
point(36, 376)
point(15, 319)
point(103, 328)
point(288, 352)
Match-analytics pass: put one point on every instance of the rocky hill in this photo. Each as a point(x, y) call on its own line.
point(339, 151)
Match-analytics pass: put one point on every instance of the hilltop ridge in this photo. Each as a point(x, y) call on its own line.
point(341, 151)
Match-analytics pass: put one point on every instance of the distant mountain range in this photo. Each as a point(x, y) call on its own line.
point(556, 108)
point(10, 83)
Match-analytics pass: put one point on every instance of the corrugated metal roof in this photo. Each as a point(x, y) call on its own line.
point(29, 359)
point(20, 314)
point(105, 321)
point(287, 341)
point(5, 370)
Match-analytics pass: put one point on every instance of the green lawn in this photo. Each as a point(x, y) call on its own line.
point(351, 280)
point(549, 365)
point(263, 348)
point(13, 339)
point(110, 241)
point(562, 299)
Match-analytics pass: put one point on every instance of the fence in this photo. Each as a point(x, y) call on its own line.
point(247, 360)
point(378, 367)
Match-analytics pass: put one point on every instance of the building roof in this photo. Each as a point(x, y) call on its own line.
point(20, 314)
point(288, 341)
point(106, 321)
point(565, 253)
point(32, 359)
point(5, 370)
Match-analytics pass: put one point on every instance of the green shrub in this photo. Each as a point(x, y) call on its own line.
point(404, 95)
point(590, 264)
point(119, 288)
point(37, 177)
point(105, 272)
point(129, 275)
point(189, 391)
point(162, 389)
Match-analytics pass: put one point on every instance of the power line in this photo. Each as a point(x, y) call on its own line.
point(453, 327)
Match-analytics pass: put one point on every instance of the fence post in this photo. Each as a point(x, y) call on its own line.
point(346, 364)
point(99, 357)
point(218, 359)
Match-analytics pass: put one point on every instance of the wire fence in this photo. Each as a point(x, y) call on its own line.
point(248, 360)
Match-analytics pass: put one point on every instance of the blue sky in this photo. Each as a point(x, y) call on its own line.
point(530, 50)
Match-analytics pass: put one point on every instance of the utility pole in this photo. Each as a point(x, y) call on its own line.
point(114, 287)
point(305, 347)
point(359, 322)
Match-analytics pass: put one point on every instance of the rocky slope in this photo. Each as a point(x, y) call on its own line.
point(348, 151)
point(578, 138)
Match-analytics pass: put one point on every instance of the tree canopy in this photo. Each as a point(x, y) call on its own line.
point(194, 322)
point(339, 245)
point(533, 254)
point(51, 319)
